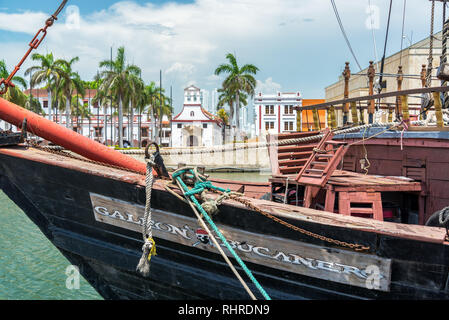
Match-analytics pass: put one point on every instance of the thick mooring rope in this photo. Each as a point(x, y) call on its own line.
point(149, 246)
point(260, 145)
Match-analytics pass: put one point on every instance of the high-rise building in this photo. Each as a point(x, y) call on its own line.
point(214, 99)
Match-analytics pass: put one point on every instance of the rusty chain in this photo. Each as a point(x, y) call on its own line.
point(232, 196)
point(249, 205)
point(34, 44)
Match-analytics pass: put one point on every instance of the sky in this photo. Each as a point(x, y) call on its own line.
point(296, 44)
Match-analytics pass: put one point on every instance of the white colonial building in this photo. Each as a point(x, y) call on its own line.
point(194, 126)
point(275, 113)
point(102, 124)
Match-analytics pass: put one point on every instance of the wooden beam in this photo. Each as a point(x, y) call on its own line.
point(323, 106)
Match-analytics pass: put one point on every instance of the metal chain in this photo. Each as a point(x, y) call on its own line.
point(34, 44)
point(249, 205)
point(233, 196)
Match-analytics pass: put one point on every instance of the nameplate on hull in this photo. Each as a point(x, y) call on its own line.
point(342, 266)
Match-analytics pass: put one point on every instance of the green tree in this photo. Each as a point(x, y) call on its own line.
point(117, 81)
point(239, 80)
point(71, 84)
point(14, 94)
point(48, 72)
point(134, 96)
point(223, 115)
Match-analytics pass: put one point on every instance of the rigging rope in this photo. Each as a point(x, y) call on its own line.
point(430, 58)
point(258, 145)
point(344, 33)
point(385, 47)
point(376, 58)
point(200, 186)
point(402, 34)
point(149, 246)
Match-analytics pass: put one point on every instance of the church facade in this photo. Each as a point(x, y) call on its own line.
point(194, 126)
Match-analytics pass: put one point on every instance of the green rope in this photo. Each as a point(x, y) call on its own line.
point(199, 187)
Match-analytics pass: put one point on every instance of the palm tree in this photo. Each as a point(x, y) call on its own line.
point(116, 81)
point(48, 72)
point(14, 94)
point(239, 80)
point(71, 83)
point(134, 96)
point(151, 96)
point(83, 111)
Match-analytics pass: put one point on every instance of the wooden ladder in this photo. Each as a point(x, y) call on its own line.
point(322, 162)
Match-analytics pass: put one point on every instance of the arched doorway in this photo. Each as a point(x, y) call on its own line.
point(192, 141)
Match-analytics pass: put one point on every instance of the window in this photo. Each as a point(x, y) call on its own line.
point(45, 104)
point(192, 114)
point(288, 109)
point(269, 109)
point(205, 125)
point(179, 126)
point(288, 126)
point(144, 132)
point(269, 125)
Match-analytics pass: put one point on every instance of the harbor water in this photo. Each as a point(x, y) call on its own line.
point(31, 268)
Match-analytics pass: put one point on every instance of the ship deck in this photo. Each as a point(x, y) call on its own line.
point(412, 232)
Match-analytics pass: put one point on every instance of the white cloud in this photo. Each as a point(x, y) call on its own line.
point(268, 86)
point(186, 69)
point(27, 22)
point(295, 41)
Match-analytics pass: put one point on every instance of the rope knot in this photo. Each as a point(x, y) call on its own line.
point(149, 250)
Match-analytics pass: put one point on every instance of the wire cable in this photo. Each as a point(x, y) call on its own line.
point(402, 36)
point(376, 58)
point(344, 33)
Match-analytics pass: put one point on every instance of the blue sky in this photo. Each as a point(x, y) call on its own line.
point(296, 44)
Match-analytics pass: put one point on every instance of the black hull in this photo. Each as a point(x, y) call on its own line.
point(57, 200)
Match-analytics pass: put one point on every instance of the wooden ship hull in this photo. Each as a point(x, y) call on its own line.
point(93, 214)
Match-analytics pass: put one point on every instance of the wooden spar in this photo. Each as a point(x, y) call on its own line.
point(347, 76)
point(423, 83)
point(298, 121)
point(333, 117)
point(423, 75)
point(325, 105)
point(316, 120)
point(371, 75)
point(398, 99)
point(438, 111)
point(67, 138)
point(406, 115)
point(355, 118)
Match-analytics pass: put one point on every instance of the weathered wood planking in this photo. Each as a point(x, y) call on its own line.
point(336, 265)
point(423, 159)
point(414, 232)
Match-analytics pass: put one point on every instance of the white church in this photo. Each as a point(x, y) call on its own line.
point(194, 126)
